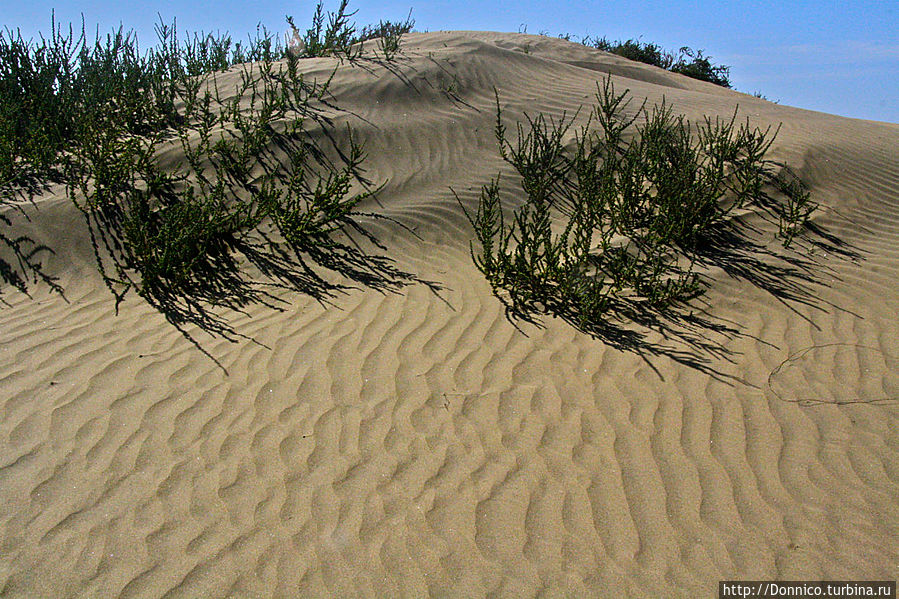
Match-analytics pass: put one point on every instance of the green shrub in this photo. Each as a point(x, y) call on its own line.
point(53, 91)
point(634, 50)
point(686, 62)
point(255, 190)
point(639, 199)
point(334, 38)
point(97, 113)
point(387, 29)
point(57, 95)
point(338, 36)
point(389, 35)
point(700, 67)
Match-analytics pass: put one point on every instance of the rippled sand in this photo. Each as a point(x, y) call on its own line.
point(417, 444)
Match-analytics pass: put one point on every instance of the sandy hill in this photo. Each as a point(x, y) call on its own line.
point(417, 444)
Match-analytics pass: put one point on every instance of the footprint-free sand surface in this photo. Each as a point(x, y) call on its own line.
point(420, 444)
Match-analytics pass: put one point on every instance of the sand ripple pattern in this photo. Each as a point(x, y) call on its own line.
point(419, 445)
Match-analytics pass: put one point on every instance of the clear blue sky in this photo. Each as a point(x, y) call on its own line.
point(836, 57)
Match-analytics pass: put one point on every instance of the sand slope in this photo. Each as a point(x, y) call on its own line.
point(414, 445)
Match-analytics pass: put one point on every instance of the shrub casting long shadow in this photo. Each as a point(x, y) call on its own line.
point(267, 196)
point(255, 190)
point(619, 220)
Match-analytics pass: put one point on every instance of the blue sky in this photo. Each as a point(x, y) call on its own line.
point(836, 57)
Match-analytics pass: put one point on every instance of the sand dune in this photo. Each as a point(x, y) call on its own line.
point(417, 444)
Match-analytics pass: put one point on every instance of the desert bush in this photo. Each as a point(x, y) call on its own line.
point(387, 29)
point(35, 103)
point(639, 199)
point(55, 90)
point(689, 62)
point(57, 96)
point(335, 37)
point(700, 67)
point(335, 34)
point(634, 50)
point(52, 89)
point(389, 35)
point(96, 114)
point(254, 190)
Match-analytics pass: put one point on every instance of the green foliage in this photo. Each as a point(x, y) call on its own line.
point(638, 203)
point(255, 190)
point(338, 36)
point(700, 67)
point(388, 35)
point(686, 62)
point(54, 91)
point(634, 50)
point(795, 213)
point(35, 116)
point(258, 203)
point(387, 29)
point(56, 96)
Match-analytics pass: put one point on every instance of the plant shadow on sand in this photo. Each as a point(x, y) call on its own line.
point(272, 201)
point(22, 266)
point(267, 195)
point(623, 227)
point(693, 336)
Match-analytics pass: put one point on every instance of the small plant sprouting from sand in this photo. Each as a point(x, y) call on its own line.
point(795, 212)
point(639, 203)
point(389, 44)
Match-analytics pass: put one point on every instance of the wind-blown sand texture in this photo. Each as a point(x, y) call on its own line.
point(419, 445)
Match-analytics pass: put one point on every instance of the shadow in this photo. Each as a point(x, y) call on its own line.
point(689, 334)
point(239, 241)
point(22, 266)
point(656, 204)
point(400, 66)
point(267, 207)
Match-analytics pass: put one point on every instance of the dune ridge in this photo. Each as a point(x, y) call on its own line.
point(418, 443)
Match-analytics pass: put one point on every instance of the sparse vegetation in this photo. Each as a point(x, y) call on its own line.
point(761, 96)
point(795, 212)
point(388, 34)
point(254, 189)
point(55, 91)
point(179, 237)
point(689, 62)
point(640, 199)
point(51, 90)
point(339, 36)
point(258, 204)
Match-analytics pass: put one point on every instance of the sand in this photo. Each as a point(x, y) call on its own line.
point(417, 444)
